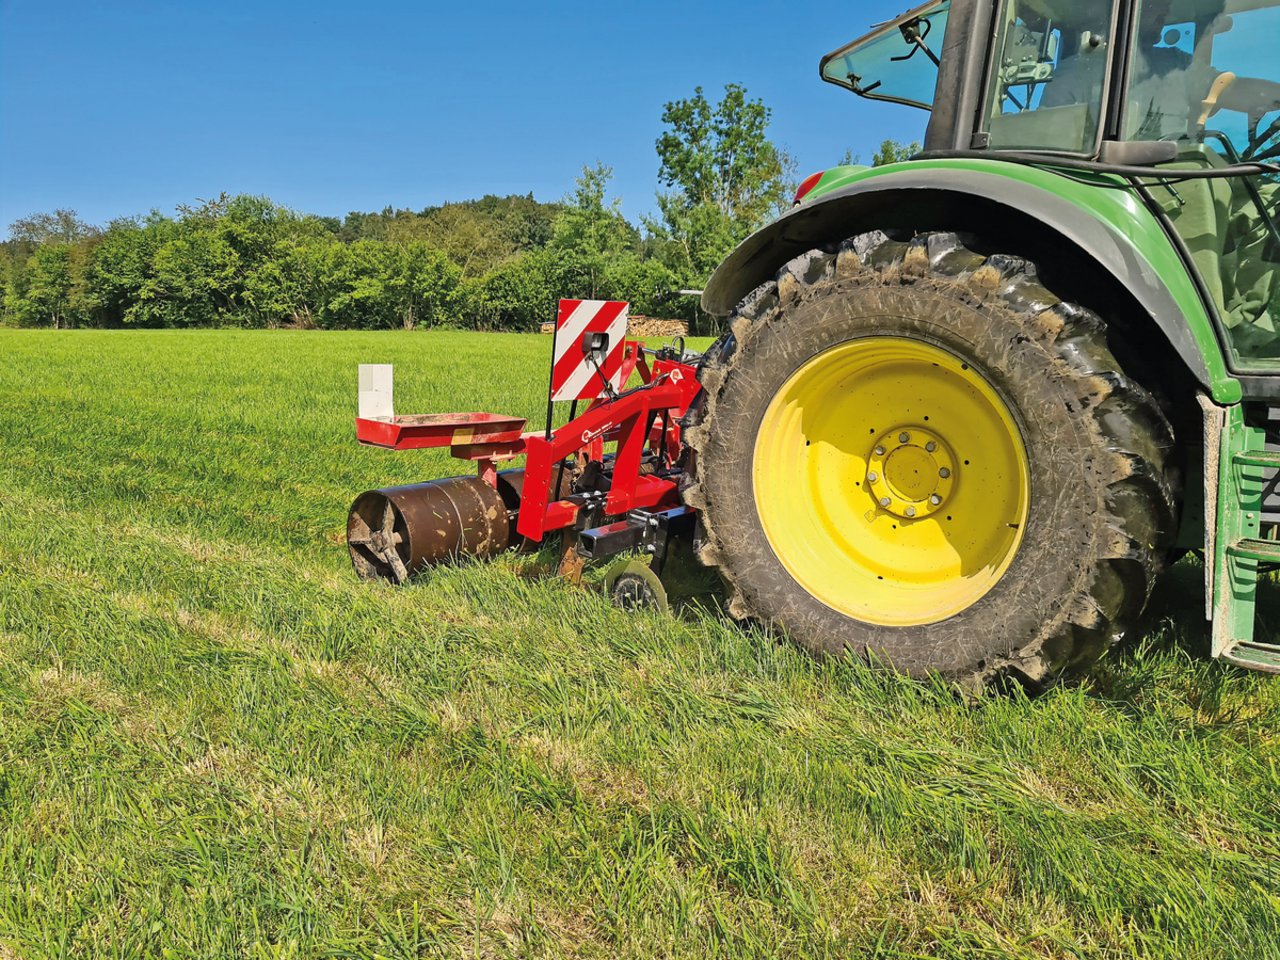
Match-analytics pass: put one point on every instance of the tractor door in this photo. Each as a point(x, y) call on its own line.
point(1204, 73)
point(1049, 78)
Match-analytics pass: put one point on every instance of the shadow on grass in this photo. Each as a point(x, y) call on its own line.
point(690, 586)
point(1175, 618)
point(1166, 657)
point(1170, 653)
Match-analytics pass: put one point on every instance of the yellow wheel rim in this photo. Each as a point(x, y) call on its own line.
point(891, 481)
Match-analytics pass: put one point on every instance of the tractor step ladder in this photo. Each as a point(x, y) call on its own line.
point(1235, 544)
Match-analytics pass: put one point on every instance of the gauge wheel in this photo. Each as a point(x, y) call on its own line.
point(634, 587)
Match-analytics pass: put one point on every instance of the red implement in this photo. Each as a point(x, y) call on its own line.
point(569, 479)
point(423, 431)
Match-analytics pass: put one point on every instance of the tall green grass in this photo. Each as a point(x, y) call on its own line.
point(215, 742)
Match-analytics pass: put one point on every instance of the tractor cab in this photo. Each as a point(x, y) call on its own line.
point(1187, 84)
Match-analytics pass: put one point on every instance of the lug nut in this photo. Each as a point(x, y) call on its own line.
point(911, 511)
point(931, 446)
point(904, 438)
point(873, 477)
point(879, 451)
point(885, 501)
point(944, 473)
point(936, 500)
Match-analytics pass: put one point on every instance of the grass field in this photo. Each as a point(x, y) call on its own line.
point(215, 742)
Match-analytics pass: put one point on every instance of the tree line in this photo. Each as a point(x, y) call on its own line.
point(498, 263)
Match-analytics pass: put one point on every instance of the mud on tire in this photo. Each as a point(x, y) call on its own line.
point(1101, 516)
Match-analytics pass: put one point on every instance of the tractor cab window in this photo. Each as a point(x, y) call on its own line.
point(1049, 75)
point(1205, 73)
point(897, 62)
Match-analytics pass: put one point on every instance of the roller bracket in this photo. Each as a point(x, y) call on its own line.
point(648, 531)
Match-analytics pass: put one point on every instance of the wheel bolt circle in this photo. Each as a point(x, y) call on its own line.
point(898, 469)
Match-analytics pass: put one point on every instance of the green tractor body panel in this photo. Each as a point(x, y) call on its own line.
point(1237, 552)
point(1112, 226)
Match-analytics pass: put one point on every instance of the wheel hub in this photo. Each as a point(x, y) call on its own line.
point(878, 523)
point(911, 472)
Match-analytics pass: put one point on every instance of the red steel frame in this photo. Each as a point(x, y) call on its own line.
point(633, 420)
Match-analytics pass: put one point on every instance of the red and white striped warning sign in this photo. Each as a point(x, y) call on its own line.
point(574, 376)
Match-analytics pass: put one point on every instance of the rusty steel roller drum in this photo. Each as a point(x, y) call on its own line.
point(396, 532)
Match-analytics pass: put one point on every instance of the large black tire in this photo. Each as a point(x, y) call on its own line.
point(1101, 514)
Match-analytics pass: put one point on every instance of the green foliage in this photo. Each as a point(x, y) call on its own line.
point(296, 285)
point(595, 254)
point(592, 253)
point(42, 270)
point(196, 282)
point(389, 286)
point(121, 266)
point(522, 220)
point(892, 151)
point(475, 244)
point(646, 283)
point(51, 290)
point(519, 295)
point(61, 226)
point(496, 263)
point(492, 263)
point(216, 742)
point(232, 261)
point(478, 235)
point(725, 178)
point(590, 223)
point(720, 156)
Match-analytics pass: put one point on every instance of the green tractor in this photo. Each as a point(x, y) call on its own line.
point(971, 405)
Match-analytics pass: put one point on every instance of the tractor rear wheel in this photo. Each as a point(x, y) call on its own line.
point(913, 451)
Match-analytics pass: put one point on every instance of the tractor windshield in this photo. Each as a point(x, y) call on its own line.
point(1206, 73)
point(897, 61)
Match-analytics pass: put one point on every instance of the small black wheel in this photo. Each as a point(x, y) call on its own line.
point(633, 587)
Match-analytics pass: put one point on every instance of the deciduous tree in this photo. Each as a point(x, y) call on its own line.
point(52, 291)
point(61, 226)
point(724, 178)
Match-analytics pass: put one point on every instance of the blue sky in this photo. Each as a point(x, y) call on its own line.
point(116, 107)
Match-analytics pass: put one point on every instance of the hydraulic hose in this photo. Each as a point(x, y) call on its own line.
point(1095, 166)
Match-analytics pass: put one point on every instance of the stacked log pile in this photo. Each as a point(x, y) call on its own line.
point(642, 327)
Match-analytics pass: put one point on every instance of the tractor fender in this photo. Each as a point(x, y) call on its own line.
point(1111, 228)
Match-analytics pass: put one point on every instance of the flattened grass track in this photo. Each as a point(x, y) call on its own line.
point(215, 742)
